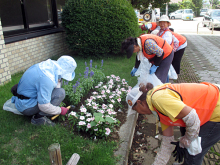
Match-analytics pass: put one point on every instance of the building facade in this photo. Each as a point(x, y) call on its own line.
point(30, 32)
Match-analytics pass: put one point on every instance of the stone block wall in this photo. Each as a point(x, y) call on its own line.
point(5, 74)
point(19, 56)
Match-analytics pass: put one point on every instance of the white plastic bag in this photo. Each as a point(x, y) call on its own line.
point(143, 73)
point(172, 73)
point(9, 106)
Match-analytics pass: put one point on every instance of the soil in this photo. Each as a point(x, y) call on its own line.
point(140, 144)
point(139, 139)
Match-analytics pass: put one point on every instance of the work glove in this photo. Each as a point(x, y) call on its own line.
point(63, 110)
point(153, 69)
point(133, 71)
point(179, 152)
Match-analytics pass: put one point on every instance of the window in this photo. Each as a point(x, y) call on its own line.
point(20, 17)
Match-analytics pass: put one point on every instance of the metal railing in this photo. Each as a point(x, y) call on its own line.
point(212, 24)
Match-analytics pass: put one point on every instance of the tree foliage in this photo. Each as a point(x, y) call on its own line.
point(195, 5)
point(97, 27)
point(171, 8)
point(146, 3)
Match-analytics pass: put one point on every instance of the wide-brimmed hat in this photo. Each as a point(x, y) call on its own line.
point(165, 18)
point(68, 65)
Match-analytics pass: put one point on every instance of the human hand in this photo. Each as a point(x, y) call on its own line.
point(179, 152)
point(153, 69)
point(63, 110)
point(185, 142)
point(133, 71)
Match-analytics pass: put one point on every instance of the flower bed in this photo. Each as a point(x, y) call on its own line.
point(98, 99)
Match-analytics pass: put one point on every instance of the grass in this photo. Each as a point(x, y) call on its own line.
point(23, 143)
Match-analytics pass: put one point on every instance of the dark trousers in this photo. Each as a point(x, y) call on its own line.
point(177, 60)
point(210, 134)
point(57, 97)
point(163, 69)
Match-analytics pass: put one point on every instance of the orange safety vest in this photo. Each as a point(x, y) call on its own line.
point(202, 97)
point(154, 26)
point(160, 42)
point(180, 38)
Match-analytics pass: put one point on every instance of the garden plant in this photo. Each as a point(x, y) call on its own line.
point(105, 95)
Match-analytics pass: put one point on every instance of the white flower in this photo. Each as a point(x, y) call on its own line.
point(110, 96)
point(103, 91)
point(96, 129)
point(110, 105)
point(119, 100)
point(104, 106)
point(82, 117)
point(105, 86)
point(108, 131)
point(95, 93)
point(104, 96)
point(89, 119)
point(72, 113)
point(83, 110)
point(88, 125)
point(108, 91)
point(113, 101)
point(82, 123)
point(95, 106)
point(88, 114)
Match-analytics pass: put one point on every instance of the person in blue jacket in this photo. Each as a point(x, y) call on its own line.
point(39, 93)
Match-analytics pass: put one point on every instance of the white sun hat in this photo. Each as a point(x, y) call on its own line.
point(64, 67)
point(133, 96)
point(68, 64)
point(165, 18)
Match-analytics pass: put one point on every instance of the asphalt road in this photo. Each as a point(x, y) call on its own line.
point(190, 27)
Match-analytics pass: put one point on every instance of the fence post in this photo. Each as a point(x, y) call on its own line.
point(55, 154)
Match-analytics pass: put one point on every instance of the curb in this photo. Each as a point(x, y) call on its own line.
point(126, 134)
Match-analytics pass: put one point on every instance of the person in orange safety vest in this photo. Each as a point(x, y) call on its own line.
point(155, 49)
point(195, 107)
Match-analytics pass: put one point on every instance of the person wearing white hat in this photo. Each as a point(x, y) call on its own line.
point(177, 41)
point(39, 93)
point(192, 106)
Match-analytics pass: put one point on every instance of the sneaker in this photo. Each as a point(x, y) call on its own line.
point(42, 121)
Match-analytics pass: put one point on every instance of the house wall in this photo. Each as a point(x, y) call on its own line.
point(19, 56)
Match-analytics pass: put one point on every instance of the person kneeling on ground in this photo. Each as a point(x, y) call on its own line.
point(39, 93)
point(193, 106)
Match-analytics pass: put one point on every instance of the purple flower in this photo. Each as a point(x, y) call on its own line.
point(80, 75)
point(91, 73)
point(85, 64)
point(90, 63)
point(102, 63)
point(96, 66)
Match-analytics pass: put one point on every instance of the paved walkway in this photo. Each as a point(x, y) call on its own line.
point(200, 63)
point(203, 54)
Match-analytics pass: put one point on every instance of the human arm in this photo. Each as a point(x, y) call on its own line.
point(151, 47)
point(192, 121)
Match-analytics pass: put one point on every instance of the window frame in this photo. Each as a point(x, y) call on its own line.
point(27, 33)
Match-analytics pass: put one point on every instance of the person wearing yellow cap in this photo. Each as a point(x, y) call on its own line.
point(155, 49)
point(195, 107)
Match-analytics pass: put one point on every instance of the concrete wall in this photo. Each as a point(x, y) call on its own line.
point(19, 56)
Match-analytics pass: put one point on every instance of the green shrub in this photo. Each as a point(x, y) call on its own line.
point(96, 28)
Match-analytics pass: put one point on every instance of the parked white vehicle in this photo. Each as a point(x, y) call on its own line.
point(177, 14)
point(187, 14)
